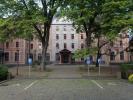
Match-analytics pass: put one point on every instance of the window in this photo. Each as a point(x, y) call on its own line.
point(122, 55)
point(47, 57)
point(31, 46)
point(72, 45)
point(82, 36)
point(121, 43)
point(82, 45)
point(57, 57)
point(16, 56)
point(64, 28)
point(7, 44)
point(17, 44)
point(6, 56)
point(57, 45)
point(112, 56)
point(65, 45)
point(57, 36)
point(72, 36)
point(65, 36)
point(57, 28)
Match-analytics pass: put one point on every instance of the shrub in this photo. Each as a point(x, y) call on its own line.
point(126, 67)
point(3, 72)
point(130, 78)
point(35, 64)
point(126, 70)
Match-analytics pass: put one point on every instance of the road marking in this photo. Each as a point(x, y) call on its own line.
point(16, 84)
point(30, 85)
point(112, 84)
point(97, 84)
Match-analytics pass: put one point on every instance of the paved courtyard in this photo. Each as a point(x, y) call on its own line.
point(61, 71)
point(66, 89)
point(64, 82)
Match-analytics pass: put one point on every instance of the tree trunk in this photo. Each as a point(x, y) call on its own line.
point(88, 39)
point(43, 61)
point(45, 43)
point(98, 53)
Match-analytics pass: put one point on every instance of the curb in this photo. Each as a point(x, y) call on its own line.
point(4, 81)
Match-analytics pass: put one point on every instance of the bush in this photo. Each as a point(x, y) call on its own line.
point(130, 78)
point(126, 67)
point(3, 72)
point(35, 64)
point(126, 70)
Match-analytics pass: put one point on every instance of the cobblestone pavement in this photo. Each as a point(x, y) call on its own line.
point(66, 89)
point(64, 71)
point(59, 71)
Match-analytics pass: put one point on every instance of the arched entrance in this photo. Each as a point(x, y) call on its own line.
point(65, 56)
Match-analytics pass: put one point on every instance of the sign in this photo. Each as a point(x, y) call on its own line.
point(30, 61)
point(88, 60)
point(100, 61)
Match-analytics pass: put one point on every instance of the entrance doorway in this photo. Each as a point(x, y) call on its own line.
point(65, 56)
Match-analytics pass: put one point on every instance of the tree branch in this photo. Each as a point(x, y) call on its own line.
point(103, 44)
point(44, 7)
point(39, 32)
point(24, 3)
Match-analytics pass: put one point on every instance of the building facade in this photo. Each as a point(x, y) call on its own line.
point(64, 41)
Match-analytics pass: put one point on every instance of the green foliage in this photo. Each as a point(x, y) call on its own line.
point(19, 18)
point(106, 17)
point(3, 72)
point(25, 18)
point(126, 67)
point(130, 78)
point(36, 63)
point(83, 53)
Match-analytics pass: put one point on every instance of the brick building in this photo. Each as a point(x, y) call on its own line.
point(64, 41)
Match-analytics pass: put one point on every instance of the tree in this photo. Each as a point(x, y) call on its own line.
point(100, 18)
point(25, 18)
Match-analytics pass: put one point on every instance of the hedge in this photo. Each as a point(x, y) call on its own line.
point(3, 72)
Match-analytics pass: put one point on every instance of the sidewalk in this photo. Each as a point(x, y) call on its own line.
point(64, 71)
point(23, 72)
